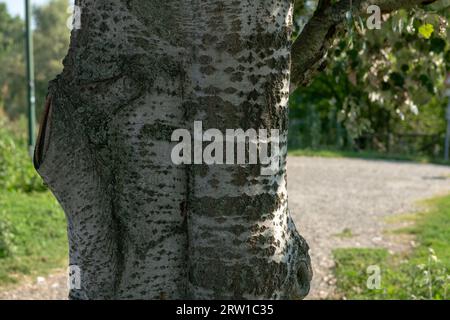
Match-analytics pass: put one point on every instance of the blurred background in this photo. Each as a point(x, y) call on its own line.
point(381, 97)
point(383, 90)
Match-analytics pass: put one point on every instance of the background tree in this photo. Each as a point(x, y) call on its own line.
point(51, 37)
point(380, 83)
point(12, 90)
point(51, 40)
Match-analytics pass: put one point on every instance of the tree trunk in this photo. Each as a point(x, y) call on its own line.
point(140, 226)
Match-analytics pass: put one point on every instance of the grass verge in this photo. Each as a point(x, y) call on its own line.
point(370, 155)
point(420, 274)
point(33, 237)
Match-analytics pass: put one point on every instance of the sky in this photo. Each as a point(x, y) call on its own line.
point(17, 7)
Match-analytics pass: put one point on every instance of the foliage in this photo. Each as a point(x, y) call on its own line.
point(32, 234)
point(32, 224)
point(380, 82)
point(51, 42)
point(422, 274)
point(16, 168)
point(12, 68)
point(51, 39)
point(7, 247)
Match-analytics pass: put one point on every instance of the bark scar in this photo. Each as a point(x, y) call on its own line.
point(43, 140)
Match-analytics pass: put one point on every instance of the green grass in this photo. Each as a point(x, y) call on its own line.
point(371, 155)
point(345, 234)
point(416, 275)
point(32, 235)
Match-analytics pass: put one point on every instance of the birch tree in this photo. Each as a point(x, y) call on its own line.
point(140, 226)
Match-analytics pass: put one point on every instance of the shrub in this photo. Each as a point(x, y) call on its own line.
point(6, 237)
point(16, 167)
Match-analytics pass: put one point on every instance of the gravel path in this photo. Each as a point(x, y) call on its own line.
point(327, 197)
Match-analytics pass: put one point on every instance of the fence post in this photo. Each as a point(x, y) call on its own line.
point(30, 79)
point(447, 136)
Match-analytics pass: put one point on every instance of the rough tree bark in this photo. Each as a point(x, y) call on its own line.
point(141, 227)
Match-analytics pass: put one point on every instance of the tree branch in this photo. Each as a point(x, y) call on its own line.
point(310, 49)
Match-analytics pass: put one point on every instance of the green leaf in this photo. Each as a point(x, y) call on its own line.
point(437, 45)
point(426, 30)
point(397, 79)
